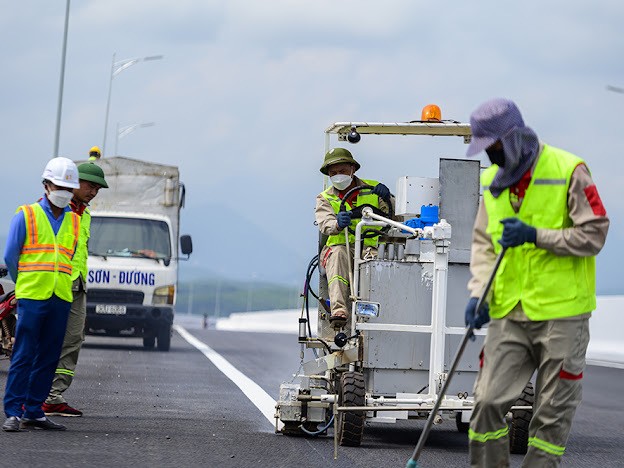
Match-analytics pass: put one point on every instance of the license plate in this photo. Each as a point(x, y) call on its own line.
point(110, 309)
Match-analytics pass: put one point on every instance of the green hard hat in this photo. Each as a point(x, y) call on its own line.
point(337, 156)
point(93, 173)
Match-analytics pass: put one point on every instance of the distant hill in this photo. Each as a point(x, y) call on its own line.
point(227, 243)
point(219, 297)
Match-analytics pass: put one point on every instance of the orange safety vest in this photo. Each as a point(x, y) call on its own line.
point(44, 266)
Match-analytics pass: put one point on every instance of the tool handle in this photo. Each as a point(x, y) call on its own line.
point(412, 462)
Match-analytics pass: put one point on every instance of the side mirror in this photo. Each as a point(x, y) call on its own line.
point(187, 244)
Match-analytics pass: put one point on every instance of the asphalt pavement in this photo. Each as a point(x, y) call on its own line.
point(164, 409)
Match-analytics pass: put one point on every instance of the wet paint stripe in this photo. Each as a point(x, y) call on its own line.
point(261, 399)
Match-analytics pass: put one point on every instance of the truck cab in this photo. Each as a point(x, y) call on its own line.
point(133, 252)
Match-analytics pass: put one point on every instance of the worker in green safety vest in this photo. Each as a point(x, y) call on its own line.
point(540, 204)
point(40, 247)
point(340, 166)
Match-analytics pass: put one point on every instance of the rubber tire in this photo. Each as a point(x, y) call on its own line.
point(519, 425)
point(149, 341)
point(164, 337)
point(350, 424)
point(462, 427)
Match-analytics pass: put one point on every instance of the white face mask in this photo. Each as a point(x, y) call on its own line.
point(60, 198)
point(341, 181)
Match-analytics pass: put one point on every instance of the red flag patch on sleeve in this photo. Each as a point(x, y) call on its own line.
point(591, 192)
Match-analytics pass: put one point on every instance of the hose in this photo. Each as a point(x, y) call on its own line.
point(318, 431)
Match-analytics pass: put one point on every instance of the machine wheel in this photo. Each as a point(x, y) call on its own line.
point(462, 427)
point(519, 425)
point(350, 424)
point(164, 337)
point(149, 341)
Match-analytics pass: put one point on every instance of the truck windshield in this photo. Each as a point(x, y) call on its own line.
point(129, 237)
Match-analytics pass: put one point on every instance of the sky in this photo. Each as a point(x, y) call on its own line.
point(245, 89)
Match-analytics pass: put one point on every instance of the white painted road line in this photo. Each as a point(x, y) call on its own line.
point(261, 399)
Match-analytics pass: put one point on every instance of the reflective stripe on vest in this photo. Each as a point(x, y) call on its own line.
point(362, 199)
point(550, 286)
point(79, 263)
point(44, 266)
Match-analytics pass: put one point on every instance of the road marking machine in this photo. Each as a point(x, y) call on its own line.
point(391, 359)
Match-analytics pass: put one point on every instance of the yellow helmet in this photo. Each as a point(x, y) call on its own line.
point(95, 152)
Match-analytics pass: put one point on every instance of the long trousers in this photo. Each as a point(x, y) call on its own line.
point(38, 340)
point(74, 337)
point(335, 260)
point(513, 350)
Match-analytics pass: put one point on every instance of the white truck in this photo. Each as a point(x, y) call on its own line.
point(133, 251)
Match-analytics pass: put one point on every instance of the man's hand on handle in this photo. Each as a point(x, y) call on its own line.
point(344, 219)
point(516, 233)
point(477, 321)
point(381, 191)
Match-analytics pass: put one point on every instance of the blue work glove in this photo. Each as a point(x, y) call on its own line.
point(483, 317)
point(344, 219)
point(517, 233)
point(381, 191)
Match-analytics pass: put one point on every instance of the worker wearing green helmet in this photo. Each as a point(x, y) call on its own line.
point(91, 178)
point(340, 166)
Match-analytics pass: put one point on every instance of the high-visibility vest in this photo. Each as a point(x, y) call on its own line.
point(44, 266)
point(550, 286)
point(79, 262)
point(366, 198)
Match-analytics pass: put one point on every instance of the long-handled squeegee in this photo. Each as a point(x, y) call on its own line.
point(413, 461)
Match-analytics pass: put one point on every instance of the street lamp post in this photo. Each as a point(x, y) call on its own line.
point(116, 69)
point(59, 108)
point(128, 129)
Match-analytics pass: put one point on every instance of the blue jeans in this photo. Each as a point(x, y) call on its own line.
point(38, 342)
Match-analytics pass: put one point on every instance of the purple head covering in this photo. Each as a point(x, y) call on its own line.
point(500, 120)
point(491, 121)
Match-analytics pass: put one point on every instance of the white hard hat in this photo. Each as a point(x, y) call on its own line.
point(62, 172)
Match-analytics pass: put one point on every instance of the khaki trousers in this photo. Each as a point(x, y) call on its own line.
point(74, 336)
point(513, 350)
point(335, 260)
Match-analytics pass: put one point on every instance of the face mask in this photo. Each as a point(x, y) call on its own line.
point(60, 198)
point(341, 181)
point(496, 157)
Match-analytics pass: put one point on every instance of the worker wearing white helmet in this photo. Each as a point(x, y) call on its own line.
point(40, 245)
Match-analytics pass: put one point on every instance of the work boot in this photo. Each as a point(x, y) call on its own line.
point(43, 423)
point(60, 409)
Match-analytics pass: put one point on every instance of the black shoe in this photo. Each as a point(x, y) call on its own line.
point(45, 424)
point(12, 424)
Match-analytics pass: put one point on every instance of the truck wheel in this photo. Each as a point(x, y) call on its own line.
point(149, 341)
point(462, 427)
point(350, 424)
point(520, 420)
point(164, 338)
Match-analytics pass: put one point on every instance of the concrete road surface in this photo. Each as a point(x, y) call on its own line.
point(148, 408)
